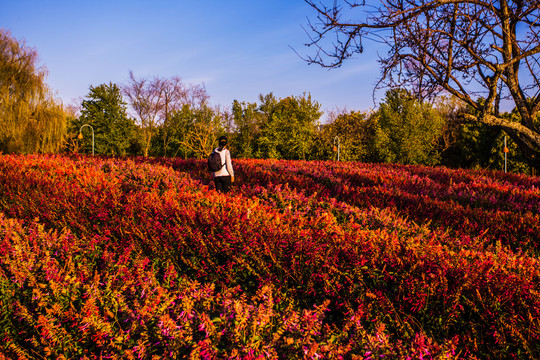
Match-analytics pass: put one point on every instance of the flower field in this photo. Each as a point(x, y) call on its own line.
point(142, 259)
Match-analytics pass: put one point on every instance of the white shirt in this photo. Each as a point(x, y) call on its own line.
point(226, 170)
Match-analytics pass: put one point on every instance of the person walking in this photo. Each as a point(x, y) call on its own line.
point(224, 177)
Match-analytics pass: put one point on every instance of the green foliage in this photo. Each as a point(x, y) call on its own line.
point(479, 146)
point(181, 123)
point(192, 132)
point(105, 110)
point(278, 129)
point(407, 131)
point(248, 121)
point(474, 147)
point(295, 121)
point(353, 132)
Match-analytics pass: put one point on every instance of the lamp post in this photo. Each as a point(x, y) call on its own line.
point(505, 150)
point(81, 136)
point(336, 148)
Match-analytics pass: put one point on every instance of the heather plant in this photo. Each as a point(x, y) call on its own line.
point(319, 244)
point(470, 204)
point(63, 298)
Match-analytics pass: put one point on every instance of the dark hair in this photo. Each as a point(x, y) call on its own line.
point(222, 140)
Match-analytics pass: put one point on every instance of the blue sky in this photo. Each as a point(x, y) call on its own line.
point(238, 49)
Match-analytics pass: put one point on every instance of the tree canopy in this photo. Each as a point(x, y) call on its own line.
point(277, 128)
point(105, 110)
point(30, 119)
point(349, 133)
point(156, 100)
point(408, 130)
point(472, 49)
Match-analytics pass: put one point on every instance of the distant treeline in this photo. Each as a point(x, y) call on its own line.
point(165, 117)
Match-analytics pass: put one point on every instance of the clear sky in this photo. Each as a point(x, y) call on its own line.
point(238, 49)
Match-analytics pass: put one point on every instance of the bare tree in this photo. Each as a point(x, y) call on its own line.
point(175, 94)
point(156, 100)
point(145, 99)
point(481, 51)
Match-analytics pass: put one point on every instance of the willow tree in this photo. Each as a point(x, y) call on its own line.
point(30, 120)
point(481, 51)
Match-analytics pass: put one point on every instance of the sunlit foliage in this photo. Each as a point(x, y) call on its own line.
point(31, 120)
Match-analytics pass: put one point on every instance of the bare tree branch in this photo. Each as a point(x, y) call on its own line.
point(479, 51)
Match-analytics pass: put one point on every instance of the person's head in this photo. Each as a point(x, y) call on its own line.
point(222, 141)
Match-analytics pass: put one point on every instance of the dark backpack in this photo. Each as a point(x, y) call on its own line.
point(214, 161)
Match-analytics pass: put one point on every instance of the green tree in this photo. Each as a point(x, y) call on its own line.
point(193, 130)
point(351, 133)
point(476, 145)
point(105, 110)
point(267, 141)
point(155, 102)
point(289, 127)
point(407, 130)
point(247, 128)
point(30, 119)
point(176, 95)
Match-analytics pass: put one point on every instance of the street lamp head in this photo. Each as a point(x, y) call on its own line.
point(80, 136)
